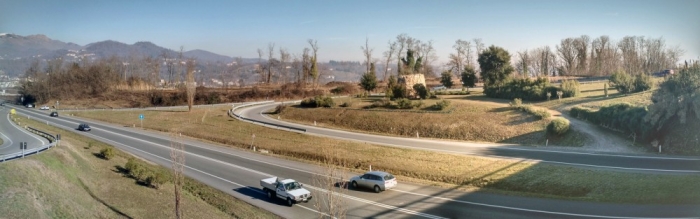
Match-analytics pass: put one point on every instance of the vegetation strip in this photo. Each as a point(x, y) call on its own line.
point(157, 176)
point(454, 171)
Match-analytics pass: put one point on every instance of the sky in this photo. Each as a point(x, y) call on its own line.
point(238, 28)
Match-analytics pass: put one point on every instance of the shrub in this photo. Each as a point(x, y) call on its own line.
point(156, 179)
point(346, 104)
point(441, 105)
point(418, 104)
point(558, 126)
point(570, 88)
point(280, 108)
point(380, 103)
point(318, 101)
point(398, 91)
point(421, 91)
point(623, 82)
point(525, 89)
point(107, 153)
point(403, 103)
point(516, 102)
point(642, 82)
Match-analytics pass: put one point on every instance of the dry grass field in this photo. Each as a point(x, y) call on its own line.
point(449, 170)
point(69, 181)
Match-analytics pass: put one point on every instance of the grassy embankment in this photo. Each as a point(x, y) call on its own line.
point(462, 172)
point(70, 181)
point(463, 120)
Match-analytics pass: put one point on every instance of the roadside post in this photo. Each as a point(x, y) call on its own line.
point(251, 142)
point(23, 146)
point(141, 117)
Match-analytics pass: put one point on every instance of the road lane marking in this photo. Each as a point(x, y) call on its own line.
point(418, 194)
point(25, 131)
point(407, 211)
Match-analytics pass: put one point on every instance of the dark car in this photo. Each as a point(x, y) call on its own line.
point(84, 127)
point(54, 114)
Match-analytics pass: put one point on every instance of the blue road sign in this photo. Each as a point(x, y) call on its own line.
point(141, 116)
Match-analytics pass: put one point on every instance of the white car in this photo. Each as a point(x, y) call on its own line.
point(377, 180)
point(30, 106)
point(44, 108)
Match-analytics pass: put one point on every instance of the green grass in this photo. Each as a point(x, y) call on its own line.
point(462, 172)
point(70, 181)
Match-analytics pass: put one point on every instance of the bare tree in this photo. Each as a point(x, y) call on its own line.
point(260, 70)
point(177, 157)
point(427, 51)
point(461, 57)
point(314, 66)
point(333, 183)
point(581, 45)
point(367, 52)
point(180, 65)
point(568, 54)
point(270, 62)
point(388, 55)
point(191, 85)
point(284, 61)
point(524, 63)
point(306, 65)
point(169, 66)
point(401, 41)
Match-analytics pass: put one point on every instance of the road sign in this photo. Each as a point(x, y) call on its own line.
point(141, 116)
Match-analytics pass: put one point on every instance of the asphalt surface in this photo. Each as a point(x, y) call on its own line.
point(12, 135)
point(237, 172)
point(637, 163)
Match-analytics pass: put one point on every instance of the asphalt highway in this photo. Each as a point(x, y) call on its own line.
point(626, 162)
point(12, 135)
point(237, 172)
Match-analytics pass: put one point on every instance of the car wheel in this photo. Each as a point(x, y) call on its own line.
point(377, 189)
point(290, 202)
point(269, 194)
point(354, 185)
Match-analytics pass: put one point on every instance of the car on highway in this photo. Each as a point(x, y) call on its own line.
point(376, 180)
point(54, 114)
point(44, 108)
point(30, 105)
point(289, 190)
point(84, 127)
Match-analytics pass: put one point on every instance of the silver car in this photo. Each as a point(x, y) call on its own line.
point(377, 180)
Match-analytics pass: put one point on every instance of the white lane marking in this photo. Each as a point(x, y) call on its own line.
point(407, 211)
point(418, 194)
point(463, 145)
point(495, 156)
point(209, 174)
point(25, 131)
point(536, 211)
point(8, 138)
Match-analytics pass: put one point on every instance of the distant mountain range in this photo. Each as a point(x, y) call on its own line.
point(15, 48)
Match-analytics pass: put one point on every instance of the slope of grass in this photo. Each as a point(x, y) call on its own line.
point(450, 170)
point(70, 181)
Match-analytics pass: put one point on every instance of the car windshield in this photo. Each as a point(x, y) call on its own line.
point(292, 186)
point(388, 177)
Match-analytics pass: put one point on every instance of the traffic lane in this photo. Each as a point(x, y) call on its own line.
point(196, 169)
point(159, 146)
point(15, 134)
point(370, 196)
point(621, 162)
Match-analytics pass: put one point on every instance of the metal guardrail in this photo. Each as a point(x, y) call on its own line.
point(233, 114)
point(52, 143)
point(143, 108)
